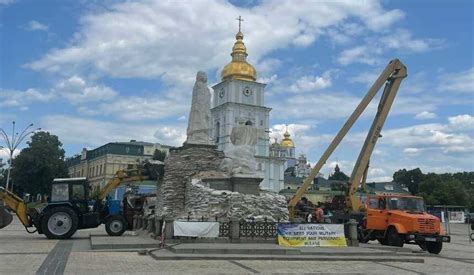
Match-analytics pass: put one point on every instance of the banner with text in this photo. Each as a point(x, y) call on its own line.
point(311, 234)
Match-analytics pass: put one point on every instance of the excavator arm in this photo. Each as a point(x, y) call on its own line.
point(16, 204)
point(391, 76)
point(120, 177)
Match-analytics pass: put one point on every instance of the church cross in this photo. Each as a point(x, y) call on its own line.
point(240, 21)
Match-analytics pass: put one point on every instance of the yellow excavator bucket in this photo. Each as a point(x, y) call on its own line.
point(5, 217)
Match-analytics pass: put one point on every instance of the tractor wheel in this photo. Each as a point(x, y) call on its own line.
point(116, 225)
point(393, 238)
point(59, 223)
point(434, 247)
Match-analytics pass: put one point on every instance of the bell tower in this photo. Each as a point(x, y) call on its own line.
point(238, 100)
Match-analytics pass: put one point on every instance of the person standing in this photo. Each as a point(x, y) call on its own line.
point(319, 213)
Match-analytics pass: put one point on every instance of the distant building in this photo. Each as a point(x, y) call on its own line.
point(386, 188)
point(100, 165)
point(284, 150)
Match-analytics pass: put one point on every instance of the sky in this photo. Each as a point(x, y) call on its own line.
point(93, 72)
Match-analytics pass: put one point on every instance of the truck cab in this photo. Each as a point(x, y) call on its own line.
point(395, 220)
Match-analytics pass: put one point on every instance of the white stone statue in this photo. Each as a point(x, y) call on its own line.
point(200, 114)
point(240, 158)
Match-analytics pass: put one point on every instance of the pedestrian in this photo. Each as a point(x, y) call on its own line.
point(319, 213)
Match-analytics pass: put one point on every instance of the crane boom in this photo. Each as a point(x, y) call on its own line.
point(392, 75)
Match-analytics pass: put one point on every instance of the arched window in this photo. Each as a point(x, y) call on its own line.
point(249, 123)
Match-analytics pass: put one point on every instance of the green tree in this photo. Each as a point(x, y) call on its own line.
point(37, 165)
point(338, 175)
point(409, 178)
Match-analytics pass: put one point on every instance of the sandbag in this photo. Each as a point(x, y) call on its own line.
point(5, 217)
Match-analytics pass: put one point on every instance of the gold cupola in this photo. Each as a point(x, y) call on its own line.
point(239, 68)
point(287, 142)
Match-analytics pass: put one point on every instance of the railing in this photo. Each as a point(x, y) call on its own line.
point(258, 229)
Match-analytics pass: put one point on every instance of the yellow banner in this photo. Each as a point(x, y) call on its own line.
point(328, 235)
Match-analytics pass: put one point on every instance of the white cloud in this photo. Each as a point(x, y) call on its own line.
point(376, 172)
point(5, 154)
point(375, 47)
point(6, 2)
point(411, 151)
point(77, 90)
point(425, 115)
point(326, 105)
point(403, 40)
point(361, 54)
point(145, 108)
point(311, 83)
point(268, 80)
point(14, 98)
point(434, 136)
point(34, 25)
point(462, 122)
point(89, 132)
point(161, 39)
point(461, 82)
point(367, 78)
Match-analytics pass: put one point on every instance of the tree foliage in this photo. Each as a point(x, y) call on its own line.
point(439, 189)
point(338, 175)
point(409, 178)
point(36, 166)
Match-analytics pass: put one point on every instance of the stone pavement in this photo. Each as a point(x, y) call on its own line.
point(23, 253)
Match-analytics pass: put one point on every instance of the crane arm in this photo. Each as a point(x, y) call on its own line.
point(361, 166)
point(120, 176)
point(395, 67)
point(16, 204)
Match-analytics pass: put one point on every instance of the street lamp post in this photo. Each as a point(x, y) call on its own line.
point(12, 144)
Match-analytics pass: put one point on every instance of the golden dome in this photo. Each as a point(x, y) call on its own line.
point(287, 142)
point(238, 68)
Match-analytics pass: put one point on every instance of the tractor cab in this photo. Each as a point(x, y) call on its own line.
point(71, 190)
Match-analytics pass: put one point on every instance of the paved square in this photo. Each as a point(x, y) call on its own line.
point(23, 253)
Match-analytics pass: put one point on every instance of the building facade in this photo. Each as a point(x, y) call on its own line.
point(100, 165)
point(239, 100)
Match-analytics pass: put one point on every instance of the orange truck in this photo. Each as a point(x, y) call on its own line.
point(398, 219)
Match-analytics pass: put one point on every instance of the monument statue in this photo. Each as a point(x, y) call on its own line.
point(240, 158)
point(200, 114)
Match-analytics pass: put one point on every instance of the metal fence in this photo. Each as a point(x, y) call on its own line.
point(248, 229)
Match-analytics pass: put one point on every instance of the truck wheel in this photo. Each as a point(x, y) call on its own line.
point(382, 241)
point(59, 223)
point(393, 238)
point(115, 225)
point(434, 247)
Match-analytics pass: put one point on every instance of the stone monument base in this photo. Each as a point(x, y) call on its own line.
point(240, 184)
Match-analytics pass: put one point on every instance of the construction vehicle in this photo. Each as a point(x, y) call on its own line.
point(397, 219)
point(399, 226)
point(71, 207)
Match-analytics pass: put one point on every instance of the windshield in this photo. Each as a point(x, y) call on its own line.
point(411, 204)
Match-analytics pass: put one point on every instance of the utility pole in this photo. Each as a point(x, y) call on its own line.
point(12, 143)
